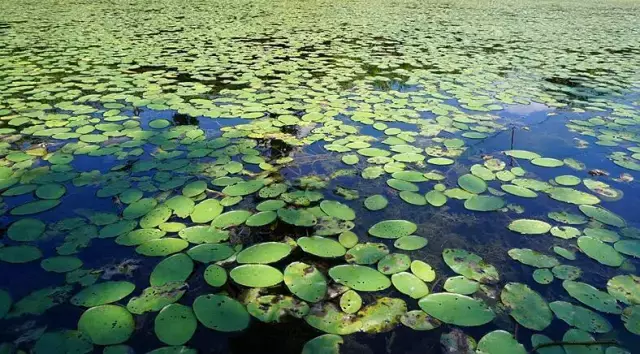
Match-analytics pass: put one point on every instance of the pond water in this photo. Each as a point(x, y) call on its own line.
point(319, 176)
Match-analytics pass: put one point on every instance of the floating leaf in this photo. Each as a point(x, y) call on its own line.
point(470, 265)
point(484, 203)
point(580, 317)
point(631, 319)
point(410, 285)
point(500, 342)
point(221, 313)
point(526, 306)
point(321, 246)
point(533, 258)
point(264, 253)
point(419, 321)
point(157, 297)
point(305, 281)
point(366, 253)
point(328, 318)
point(324, 344)
point(625, 288)
point(393, 229)
point(543, 276)
point(103, 293)
point(256, 275)
point(376, 202)
point(176, 268)
point(592, 297)
point(175, 324)
point(360, 278)
point(26, 229)
point(600, 251)
point(107, 324)
point(456, 309)
point(602, 215)
point(274, 308)
point(461, 285)
point(423, 271)
point(529, 227)
point(472, 184)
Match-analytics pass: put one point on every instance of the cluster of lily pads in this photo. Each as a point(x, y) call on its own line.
point(266, 162)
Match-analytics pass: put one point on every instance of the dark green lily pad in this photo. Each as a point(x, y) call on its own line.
point(26, 230)
point(500, 342)
point(625, 288)
point(592, 297)
point(393, 229)
point(324, 344)
point(603, 215)
point(484, 203)
point(376, 202)
point(176, 268)
point(580, 317)
point(256, 275)
point(533, 258)
point(162, 247)
point(20, 254)
point(600, 251)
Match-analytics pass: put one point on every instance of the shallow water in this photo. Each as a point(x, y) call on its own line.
point(151, 97)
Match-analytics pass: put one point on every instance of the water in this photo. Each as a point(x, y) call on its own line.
point(155, 96)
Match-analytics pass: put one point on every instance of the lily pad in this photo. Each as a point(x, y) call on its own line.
point(20, 254)
point(360, 278)
point(456, 309)
point(572, 196)
point(324, 344)
point(366, 253)
point(419, 321)
point(436, 198)
point(470, 265)
point(392, 229)
point(484, 203)
point(107, 324)
point(461, 285)
point(376, 202)
point(580, 317)
point(275, 308)
point(156, 297)
point(221, 313)
point(603, 215)
point(256, 275)
point(500, 342)
point(103, 293)
point(566, 272)
point(543, 276)
point(600, 251)
point(26, 230)
point(529, 227)
point(423, 271)
point(625, 288)
point(410, 285)
point(176, 268)
point(383, 315)
point(410, 243)
point(533, 258)
point(35, 207)
point(592, 297)
point(264, 253)
point(631, 319)
point(328, 318)
point(526, 306)
point(206, 211)
point(305, 281)
point(175, 324)
point(350, 302)
point(472, 184)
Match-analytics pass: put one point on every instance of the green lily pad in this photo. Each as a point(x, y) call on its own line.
point(456, 309)
point(572, 196)
point(436, 198)
point(565, 253)
point(410, 243)
point(50, 191)
point(175, 324)
point(376, 202)
point(410, 285)
point(156, 297)
point(566, 272)
point(107, 324)
point(565, 232)
point(628, 247)
point(522, 154)
point(383, 315)
point(26, 230)
point(484, 203)
point(625, 288)
point(176, 268)
point(393, 229)
point(580, 317)
point(61, 264)
point(275, 308)
point(264, 253)
point(419, 321)
point(243, 188)
point(262, 218)
point(602, 215)
point(35, 207)
point(543, 276)
point(366, 253)
point(103, 293)
point(500, 342)
point(579, 336)
point(5, 303)
point(547, 162)
point(348, 239)
point(337, 210)
point(423, 270)
point(321, 246)
point(529, 227)
point(221, 313)
point(600, 251)
point(328, 318)
point(203, 234)
point(461, 285)
point(162, 247)
point(206, 211)
point(526, 306)
point(631, 319)
point(256, 275)
point(603, 235)
point(215, 275)
point(20, 254)
point(402, 185)
point(472, 184)
point(118, 228)
point(350, 302)
point(412, 198)
point(297, 217)
point(230, 219)
point(65, 341)
point(324, 344)
point(519, 191)
point(592, 297)
point(360, 278)
point(533, 258)
point(457, 342)
point(183, 207)
point(305, 281)
point(470, 265)
point(139, 208)
point(194, 188)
